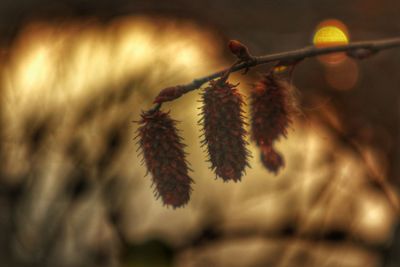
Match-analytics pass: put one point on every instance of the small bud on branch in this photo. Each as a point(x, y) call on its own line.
point(361, 53)
point(239, 50)
point(169, 94)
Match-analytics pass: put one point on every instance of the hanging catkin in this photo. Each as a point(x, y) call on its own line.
point(223, 129)
point(164, 157)
point(271, 107)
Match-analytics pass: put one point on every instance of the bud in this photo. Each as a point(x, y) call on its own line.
point(164, 157)
point(169, 94)
point(223, 128)
point(239, 50)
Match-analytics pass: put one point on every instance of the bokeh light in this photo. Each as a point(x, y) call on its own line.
point(331, 32)
point(280, 69)
point(341, 72)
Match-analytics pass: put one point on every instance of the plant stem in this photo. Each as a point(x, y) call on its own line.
point(358, 50)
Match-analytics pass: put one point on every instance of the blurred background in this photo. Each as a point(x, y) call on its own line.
point(75, 74)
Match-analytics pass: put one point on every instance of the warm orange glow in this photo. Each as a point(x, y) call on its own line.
point(331, 33)
point(280, 68)
point(328, 35)
point(79, 59)
point(343, 76)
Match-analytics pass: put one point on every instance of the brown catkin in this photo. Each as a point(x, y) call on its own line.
point(223, 129)
point(271, 108)
point(164, 157)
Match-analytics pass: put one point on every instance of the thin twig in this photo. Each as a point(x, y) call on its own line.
point(358, 50)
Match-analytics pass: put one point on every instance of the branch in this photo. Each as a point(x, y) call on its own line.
point(358, 50)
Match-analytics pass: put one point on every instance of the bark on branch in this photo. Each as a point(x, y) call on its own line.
point(358, 50)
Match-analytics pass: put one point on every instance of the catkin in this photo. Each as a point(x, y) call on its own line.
point(271, 108)
point(223, 130)
point(164, 156)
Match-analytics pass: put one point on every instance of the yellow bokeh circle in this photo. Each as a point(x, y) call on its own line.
point(331, 32)
point(330, 35)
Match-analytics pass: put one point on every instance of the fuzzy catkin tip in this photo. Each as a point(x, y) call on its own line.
point(163, 154)
point(271, 159)
point(223, 128)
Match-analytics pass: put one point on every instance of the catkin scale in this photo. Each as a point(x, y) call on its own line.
point(271, 107)
point(223, 130)
point(163, 154)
